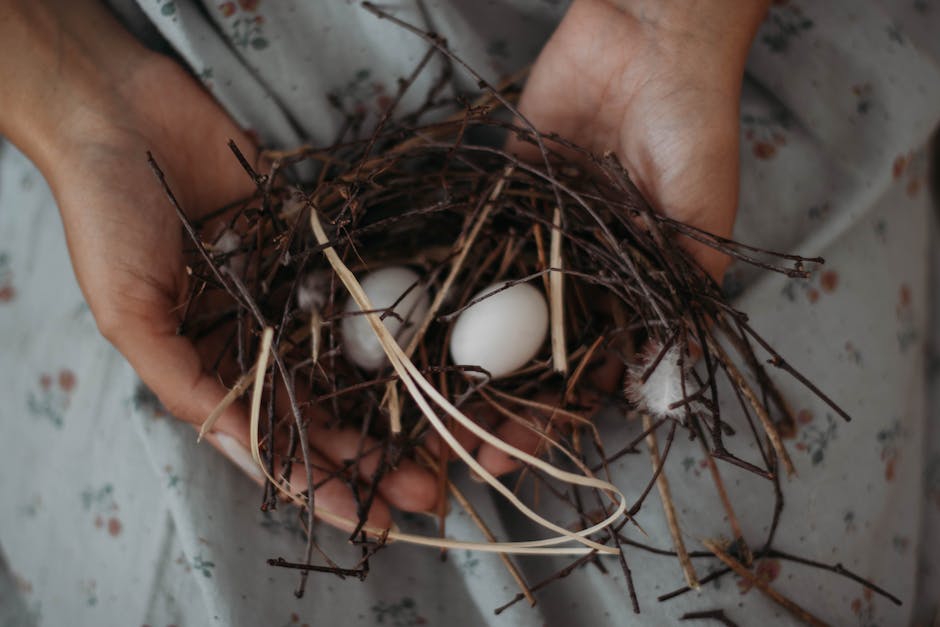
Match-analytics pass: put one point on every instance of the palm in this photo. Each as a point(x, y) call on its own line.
point(126, 244)
point(604, 82)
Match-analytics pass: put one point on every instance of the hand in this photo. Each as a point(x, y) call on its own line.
point(657, 82)
point(114, 101)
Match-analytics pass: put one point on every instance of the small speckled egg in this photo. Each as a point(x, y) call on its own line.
point(502, 332)
point(384, 287)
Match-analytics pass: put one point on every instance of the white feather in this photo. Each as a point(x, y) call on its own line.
point(663, 387)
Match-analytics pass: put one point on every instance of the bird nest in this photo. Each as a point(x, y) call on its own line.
point(423, 191)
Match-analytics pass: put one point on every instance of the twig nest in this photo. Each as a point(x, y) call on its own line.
point(662, 389)
point(501, 332)
point(399, 291)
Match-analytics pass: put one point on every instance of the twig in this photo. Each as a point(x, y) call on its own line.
point(662, 484)
point(758, 583)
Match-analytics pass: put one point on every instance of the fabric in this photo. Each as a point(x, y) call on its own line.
point(113, 515)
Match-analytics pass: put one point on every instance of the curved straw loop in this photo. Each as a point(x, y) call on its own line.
point(537, 547)
point(416, 384)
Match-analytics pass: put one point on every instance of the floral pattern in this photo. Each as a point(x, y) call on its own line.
point(224, 43)
point(245, 24)
point(889, 439)
point(7, 291)
point(765, 571)
point(100, 502)
point(784, 24)
point(52, 397)
point(815, 439)
point(402, 613)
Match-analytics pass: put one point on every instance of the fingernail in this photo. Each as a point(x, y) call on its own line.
point(239, 455)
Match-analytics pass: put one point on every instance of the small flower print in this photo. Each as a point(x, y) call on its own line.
point(89, 589)
point(203, 566)
point(819, 283)
point(168, 9)
point(361, 96)
point(245, 30)
point(199, 564)
point(766, 571)
point(206, 76)
point(295, 621)
point(172, 479)
point(909, 170)
point(895, 33)
point(881, 230)
point(498, 48)
point(849, 519)
point(900, 165)
point(469, 563)
point(829, 280)
point(282, 520)
point(693, 467)
point(889, 440)
point(788, 429)
point(7, 291)
point(819, 212)
point(853, 354)
point(100, 502)
point(900, 543)
point(404, 613)
point(864, 609)
point(863, 97)
point(785, 22)
point(67, 380)
point(766, 133)
point(815, 439)
point(53, 396)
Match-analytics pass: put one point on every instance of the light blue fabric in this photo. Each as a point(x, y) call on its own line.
point(113, 515)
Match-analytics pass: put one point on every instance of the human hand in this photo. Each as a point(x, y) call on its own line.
point(658, 83)
point(86, 114)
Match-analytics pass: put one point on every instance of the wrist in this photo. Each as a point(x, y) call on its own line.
point(63, 63)
point(700, 30)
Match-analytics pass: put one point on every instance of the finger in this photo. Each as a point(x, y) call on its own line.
point(335, 495)
point(482, 413)
point(330, 494)
point(408, 486)
point(170, 366)
point(497, 462)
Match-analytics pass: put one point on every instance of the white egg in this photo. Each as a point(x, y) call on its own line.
point(502, 332)
point(384, 288)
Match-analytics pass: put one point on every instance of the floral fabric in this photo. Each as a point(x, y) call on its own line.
point(112, 515)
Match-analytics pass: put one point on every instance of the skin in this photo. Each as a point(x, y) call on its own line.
point(658, 82)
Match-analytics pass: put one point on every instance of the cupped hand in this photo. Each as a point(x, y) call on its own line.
point(658, 83)
point(127, 247)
